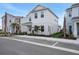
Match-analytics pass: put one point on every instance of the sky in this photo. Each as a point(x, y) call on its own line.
point(22, 9)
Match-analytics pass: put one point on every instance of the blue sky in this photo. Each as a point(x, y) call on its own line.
point(22, 9)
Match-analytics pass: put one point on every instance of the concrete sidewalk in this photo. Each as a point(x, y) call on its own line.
point(51, 39)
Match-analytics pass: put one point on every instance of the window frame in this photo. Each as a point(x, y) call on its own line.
point(10, 20)
point(35, 15)
point(30, 19)
point(70, 13)
point(42, 14)
point(70, 29)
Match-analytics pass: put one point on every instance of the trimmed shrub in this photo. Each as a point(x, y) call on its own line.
point(61, 35)
point(58, 35)
point(21, 33)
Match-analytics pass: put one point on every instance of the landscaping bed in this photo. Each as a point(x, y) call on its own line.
point(39, 35)
point(55, 35)
point(3, 34)
point(21, 33)
point(61, 35)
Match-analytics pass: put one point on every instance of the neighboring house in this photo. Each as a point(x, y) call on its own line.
point(72, 20)
point(11, 23)
point(40, 20)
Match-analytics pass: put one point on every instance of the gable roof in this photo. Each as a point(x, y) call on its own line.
point(73, 6)
point(7, 14)
point(40, 8)
point(11, 15)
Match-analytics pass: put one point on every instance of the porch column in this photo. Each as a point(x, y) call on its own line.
point(75, 30)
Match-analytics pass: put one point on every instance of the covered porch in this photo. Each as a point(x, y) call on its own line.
point(76, 29)
point(29, 27)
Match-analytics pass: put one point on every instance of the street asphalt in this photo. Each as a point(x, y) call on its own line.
point(13, 47)
point(60, 44)
point(70, 46)
point(36, 40)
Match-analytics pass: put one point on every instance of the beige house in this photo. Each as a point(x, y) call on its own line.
point(11, 23)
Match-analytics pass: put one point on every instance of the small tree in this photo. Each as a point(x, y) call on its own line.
point(14, 25)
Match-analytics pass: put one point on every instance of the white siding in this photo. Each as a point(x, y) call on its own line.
point(72, 22)
point(48, 20)
point(23, 27)
point(75, 12)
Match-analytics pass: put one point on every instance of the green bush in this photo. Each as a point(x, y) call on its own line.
point(61, 35)
point(21, 33)
point(4, 32)
point(58, 35)
point(2, 35)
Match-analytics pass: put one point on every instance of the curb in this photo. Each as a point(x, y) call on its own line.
point(51, 39)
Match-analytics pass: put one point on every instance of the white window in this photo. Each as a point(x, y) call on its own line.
point(78, 11)
point(30, 19)
point(49, 29)
point(10, 21)
point(42, 14)
point(70, 13)
point(36, 16)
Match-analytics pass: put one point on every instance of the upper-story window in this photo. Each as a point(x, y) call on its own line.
point(29, 19)
point(78, 11)
point(70, 13)
point(36, 16)
point(42, 14)
point(10, 21)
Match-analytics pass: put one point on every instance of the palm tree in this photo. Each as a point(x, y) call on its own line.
point(14, 26)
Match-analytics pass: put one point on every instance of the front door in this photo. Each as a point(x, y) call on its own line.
point(77, 29)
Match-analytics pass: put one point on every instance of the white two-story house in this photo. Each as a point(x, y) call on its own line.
point(41, 20)
point(72, 20)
